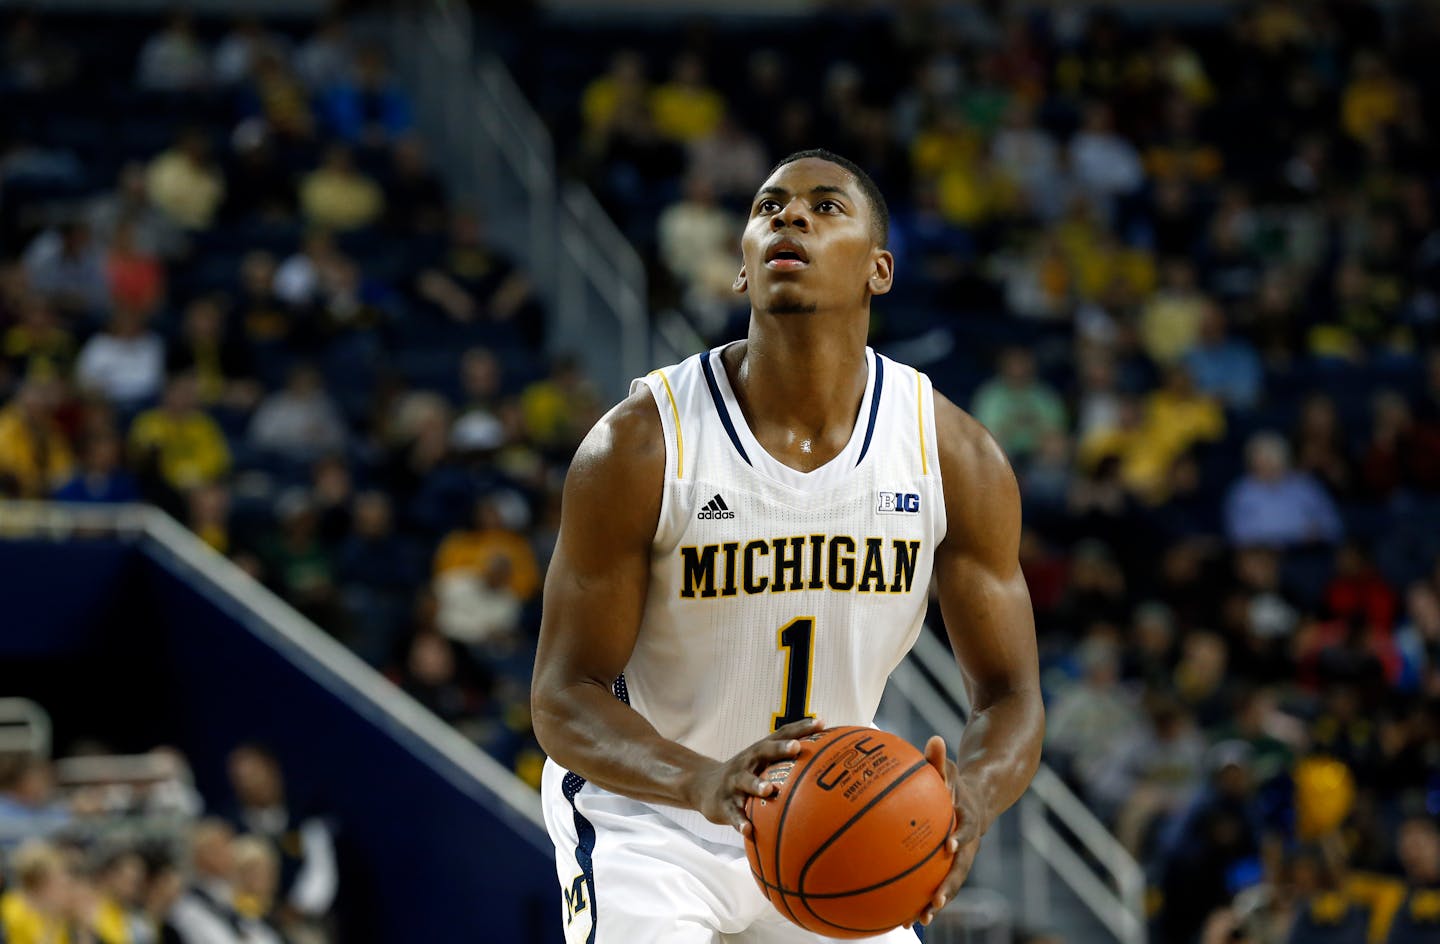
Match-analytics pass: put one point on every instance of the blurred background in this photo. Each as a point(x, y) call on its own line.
point(304, 308)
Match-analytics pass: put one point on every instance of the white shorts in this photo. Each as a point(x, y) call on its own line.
point(630, 875)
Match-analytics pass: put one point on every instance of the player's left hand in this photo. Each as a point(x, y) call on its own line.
point(969, 827)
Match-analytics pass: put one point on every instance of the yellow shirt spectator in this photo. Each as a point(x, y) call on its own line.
point(30, 912)
point(337, 197)
point(191, 449)
point(1371, 101)
point(185, 186)
point(473, 550)
point(24, 924)
point(686, 112)
point(35, 458)
point(1175, 418)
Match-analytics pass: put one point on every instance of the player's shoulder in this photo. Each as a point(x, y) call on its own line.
point(968, 453)
point(629, 439)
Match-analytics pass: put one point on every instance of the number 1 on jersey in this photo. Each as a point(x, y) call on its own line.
point(797, 639)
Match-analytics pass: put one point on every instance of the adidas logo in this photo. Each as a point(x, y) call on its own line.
point(715, 509)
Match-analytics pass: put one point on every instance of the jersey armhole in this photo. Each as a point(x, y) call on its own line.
point(930, 447)
point(669, 408)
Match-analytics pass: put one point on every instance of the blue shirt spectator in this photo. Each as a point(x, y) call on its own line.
point(1225, 367)
point(102, 479)
point(1276, 507)
point(371, 108)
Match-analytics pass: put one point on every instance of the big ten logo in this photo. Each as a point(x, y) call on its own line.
point(860, 756)
point(897, 503)
point(575, 898)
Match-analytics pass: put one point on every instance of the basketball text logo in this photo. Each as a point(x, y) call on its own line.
point(897, 503)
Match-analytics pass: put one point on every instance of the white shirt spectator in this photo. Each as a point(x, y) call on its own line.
point(297, 280)
point(125, 368)
point(300, 421)
point(1105, 165)
point(203, 915)
point(173, 60)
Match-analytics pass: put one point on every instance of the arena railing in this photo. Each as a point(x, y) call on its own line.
point(1103, 875)
point(498, 153)
point(361, 684)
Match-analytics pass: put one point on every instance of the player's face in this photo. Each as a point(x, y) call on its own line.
point(809, 245)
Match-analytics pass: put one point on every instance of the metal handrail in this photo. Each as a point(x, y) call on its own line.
point(1121, 910)
point(585, 268)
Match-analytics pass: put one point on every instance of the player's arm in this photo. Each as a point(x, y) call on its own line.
point(991, 626)
point(594, 597)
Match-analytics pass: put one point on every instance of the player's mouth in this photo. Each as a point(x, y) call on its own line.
point(786, 255)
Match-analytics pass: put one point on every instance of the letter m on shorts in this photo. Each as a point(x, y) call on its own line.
point(575, 898)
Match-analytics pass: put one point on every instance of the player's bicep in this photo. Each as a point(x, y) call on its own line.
point(596, 584)
point(983, 595)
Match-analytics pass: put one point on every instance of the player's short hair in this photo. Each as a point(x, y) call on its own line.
point(879, 211)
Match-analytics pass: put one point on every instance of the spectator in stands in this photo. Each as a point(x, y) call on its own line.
point(1106, 165)
point(241, 50)
point(686, 108)
point(1224, 367)
point(559, 409)
point(125, 364)
point(697, 240)
point(1087, 718)
point(101, 478)
point(180, 441)
point(415, 200)
point(1150, 772)
point(496, 533)
point(257, 871)
point(472, 280)
point(621, 90)
point(117, 915)
point(28, 807)
point(34, 911)
point(221, 364)
point(1402, 453)
point(1418, 637)
point(208, 515)
point(1018, 407)
point(153, 231)
point(67, 266)
point(35, 455)
point(303, 842)
point(205, 913)
point(297, 564)
point(300, 422)
point(1170, 321)
point(1030, 160)
point(38, 341)
point(338, 197)
point(1321, 449)
point(259, 185)
point(731, 159)
point(326, 58)
point(369, 109)
point(431, 678)
point(136, 278)
point(185, 184)
point(1276, 506)
point(377, 571)
point(174, 60)
point(279, 101)
point(478, 610)
point(34, 59)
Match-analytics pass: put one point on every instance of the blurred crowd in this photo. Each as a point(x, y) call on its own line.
point(134, 861)
point(1185, 265)
point(232, 285)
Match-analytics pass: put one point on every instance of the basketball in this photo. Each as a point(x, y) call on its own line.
point(852, 843)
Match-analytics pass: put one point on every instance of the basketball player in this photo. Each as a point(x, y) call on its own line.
point(746, 547)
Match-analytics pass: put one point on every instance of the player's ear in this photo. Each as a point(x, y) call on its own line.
point(882, 275)
point(741, 281)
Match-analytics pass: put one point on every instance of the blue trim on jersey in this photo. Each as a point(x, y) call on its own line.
point(720, 406)
point(874, 407)
point(570, 787)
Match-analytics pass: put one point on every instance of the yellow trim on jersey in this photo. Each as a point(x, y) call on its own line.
point(679, 440)
point(920, 415)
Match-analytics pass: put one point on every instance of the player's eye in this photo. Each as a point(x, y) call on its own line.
point(768, 206)
point(827, 206)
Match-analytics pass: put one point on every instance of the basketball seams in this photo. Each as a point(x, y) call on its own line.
point(850, 892)
point(796, 777)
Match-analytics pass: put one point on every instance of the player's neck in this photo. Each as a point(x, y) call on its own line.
point(802, 370)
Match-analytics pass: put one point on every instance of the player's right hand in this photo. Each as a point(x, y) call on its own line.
point(719, 790)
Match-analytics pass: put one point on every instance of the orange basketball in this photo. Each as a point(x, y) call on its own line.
point(852, 843)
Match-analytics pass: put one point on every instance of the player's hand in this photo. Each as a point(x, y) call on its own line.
point(720, 789)
point(969, 827)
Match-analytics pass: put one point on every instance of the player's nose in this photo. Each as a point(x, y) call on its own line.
point(793, 215)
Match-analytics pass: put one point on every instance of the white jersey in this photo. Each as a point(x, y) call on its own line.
point(777, 594)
